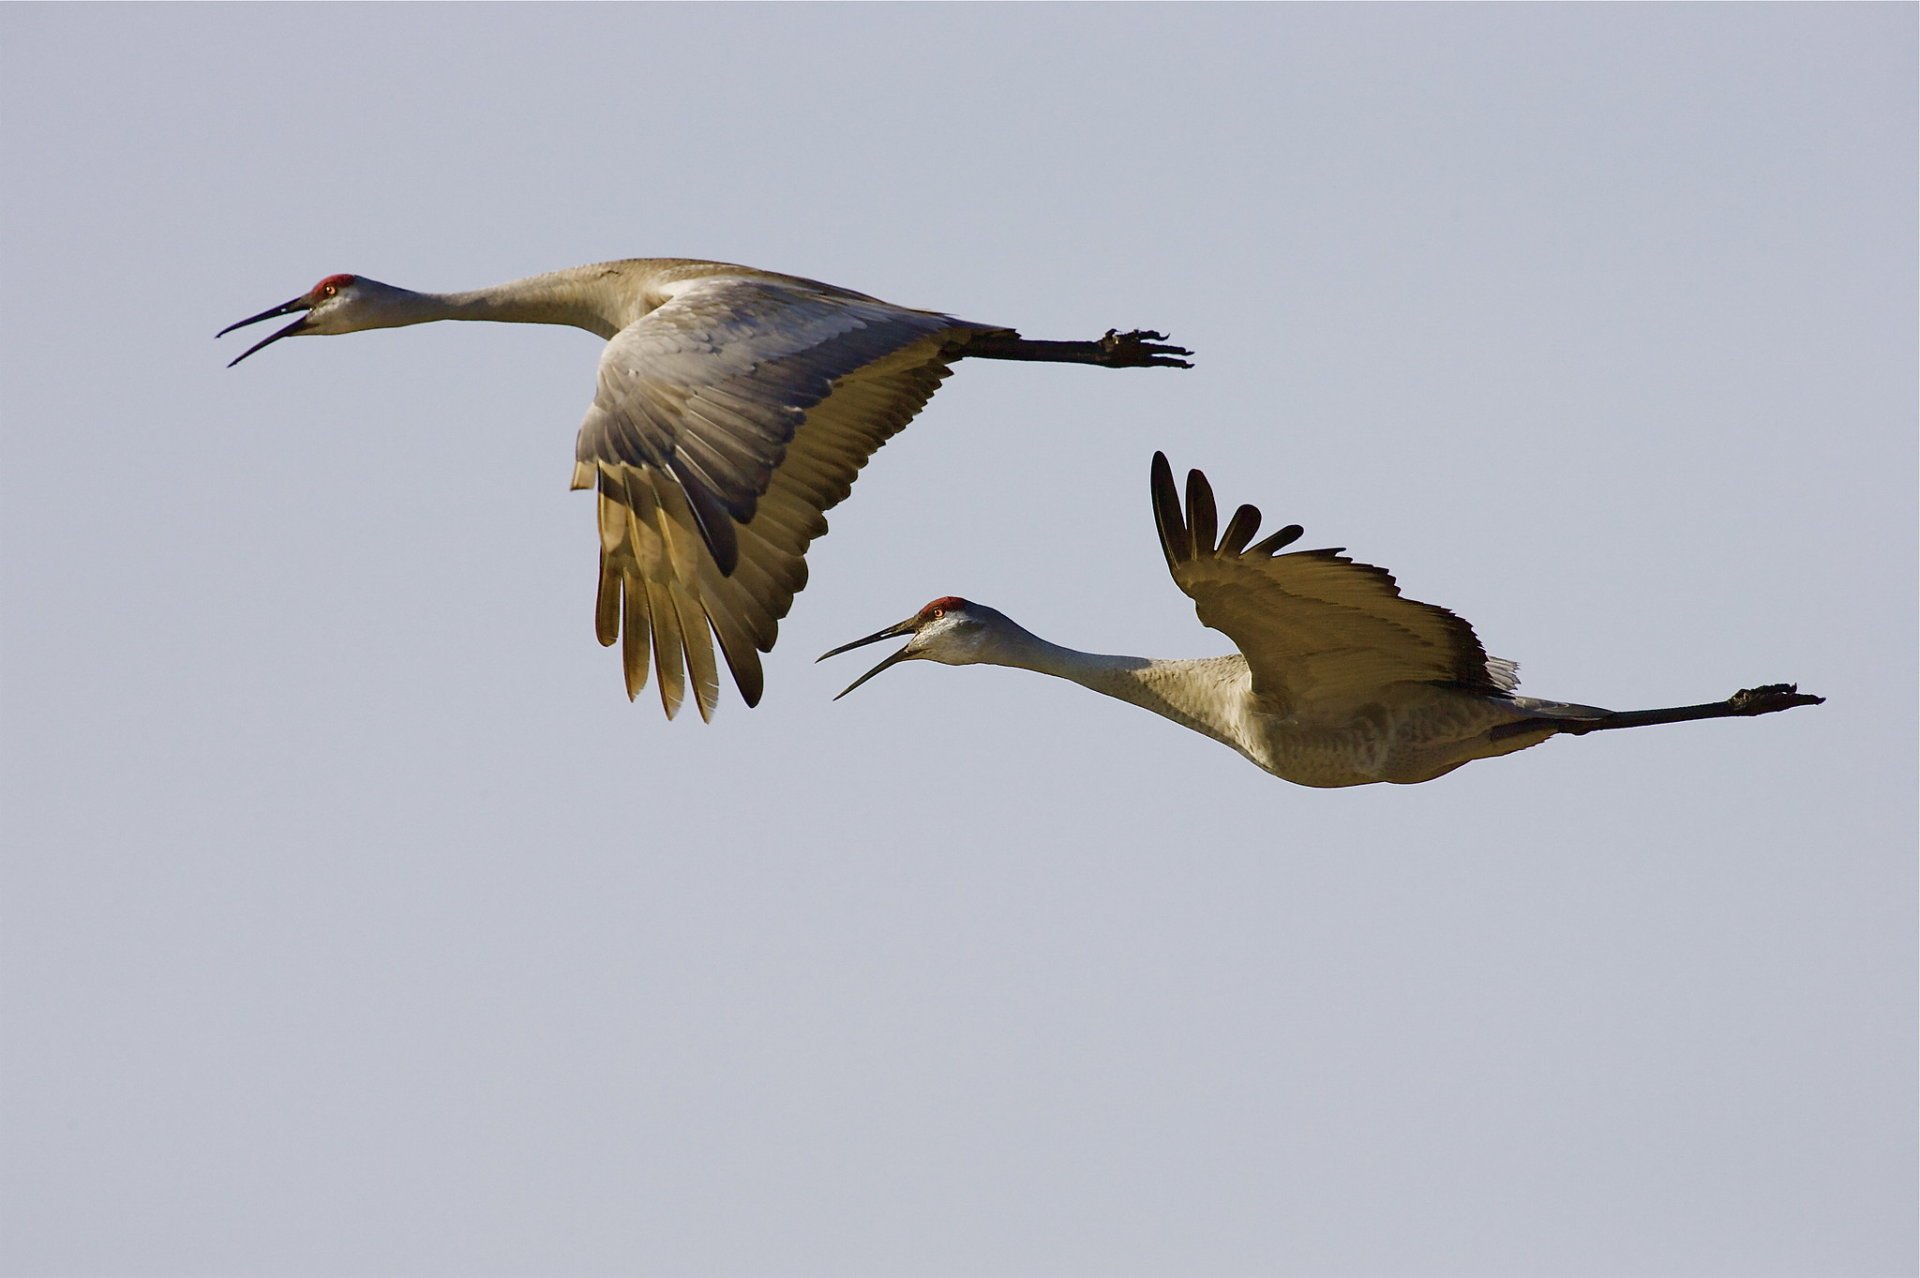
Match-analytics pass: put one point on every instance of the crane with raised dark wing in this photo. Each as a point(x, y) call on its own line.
point(1339, 679)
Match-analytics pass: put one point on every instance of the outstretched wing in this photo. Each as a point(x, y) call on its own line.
point(726, 422)
point(1321, 633)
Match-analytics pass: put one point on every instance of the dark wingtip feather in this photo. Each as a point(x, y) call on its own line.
point(1273, 544)
point(1174, 542)
point(714, 521)
point(1203, 518)
point(1240, 530)
point(745, 667)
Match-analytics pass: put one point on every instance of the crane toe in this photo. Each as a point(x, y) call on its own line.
point(1141, 348)
point(1770, 697)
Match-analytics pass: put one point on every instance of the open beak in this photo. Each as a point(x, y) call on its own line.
point(907, 627)
point(297, 304)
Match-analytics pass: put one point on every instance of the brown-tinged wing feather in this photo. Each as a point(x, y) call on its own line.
point(719, 439)
point(1321, 633)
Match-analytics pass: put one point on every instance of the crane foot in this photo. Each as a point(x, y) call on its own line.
point(1771, 697)
point(1138, 349)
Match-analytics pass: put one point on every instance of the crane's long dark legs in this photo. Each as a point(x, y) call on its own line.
point(1138, 349)
point(1766, 699)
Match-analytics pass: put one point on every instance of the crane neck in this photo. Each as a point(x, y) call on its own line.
point(588, 298)
point(540, 300)
point(1197, 694)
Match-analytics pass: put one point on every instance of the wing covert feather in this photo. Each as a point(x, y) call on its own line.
point(711, 386)
point(770, 466)
point(1321, 633)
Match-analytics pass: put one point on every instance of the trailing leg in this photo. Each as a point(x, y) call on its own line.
point(1767, 699)
point(1138, 349)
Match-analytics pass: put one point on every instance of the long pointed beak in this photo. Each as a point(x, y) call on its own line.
point(906, 627)
point(286, 308)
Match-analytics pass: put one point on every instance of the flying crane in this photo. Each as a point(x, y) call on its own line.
point(734, 408)
point(1340, 679)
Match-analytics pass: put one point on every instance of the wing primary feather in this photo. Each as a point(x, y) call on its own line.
point(669, 650)
point(1203, 520)
point(1240, 530)
point(638, 627)
point(615, 515)
point(709, 515)
point(606, 605)
point(1174, 541)
point(726, 423)
point(736, 639)
point(1322, 635)
point(701, 668)
point(1279, 540)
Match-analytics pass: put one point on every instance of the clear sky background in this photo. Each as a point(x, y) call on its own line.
point(355, 924)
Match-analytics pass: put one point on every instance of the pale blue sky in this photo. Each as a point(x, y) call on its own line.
point(354, 923)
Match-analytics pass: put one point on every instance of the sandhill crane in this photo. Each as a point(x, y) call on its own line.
point(734, 408)
point(1340, 680)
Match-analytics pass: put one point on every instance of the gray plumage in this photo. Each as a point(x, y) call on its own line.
point(733, 408)
point(1339, 679)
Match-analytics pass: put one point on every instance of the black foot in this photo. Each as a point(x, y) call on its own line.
point(1137, 350)
point(1771, 697)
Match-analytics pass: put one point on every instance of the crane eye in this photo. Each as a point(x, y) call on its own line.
point(330, 290)
point(939, 612)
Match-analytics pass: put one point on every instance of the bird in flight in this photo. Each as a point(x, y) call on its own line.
point(1340, 679)
point(734, 407)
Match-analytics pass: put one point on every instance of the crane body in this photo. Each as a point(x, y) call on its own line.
point(1340, 680)
point(733, 408)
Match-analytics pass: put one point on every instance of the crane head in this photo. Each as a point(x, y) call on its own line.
point(337, 304)
point(949, 630)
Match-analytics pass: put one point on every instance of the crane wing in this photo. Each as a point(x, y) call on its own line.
point(726, 422)
point(1322, 634)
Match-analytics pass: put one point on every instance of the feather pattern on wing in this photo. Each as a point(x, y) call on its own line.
point(726, 422)
point(1322, 634)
